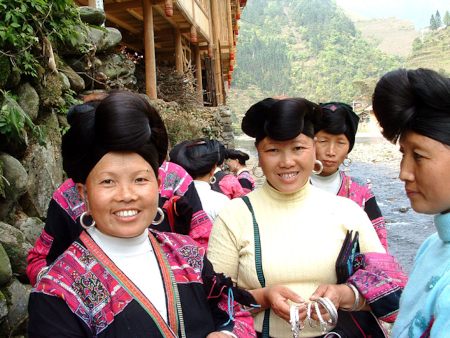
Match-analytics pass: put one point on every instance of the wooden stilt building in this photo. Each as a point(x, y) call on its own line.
point(181, 33)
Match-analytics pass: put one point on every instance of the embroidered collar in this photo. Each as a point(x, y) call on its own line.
point(442, 222)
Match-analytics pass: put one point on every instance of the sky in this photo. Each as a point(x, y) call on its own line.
point(417, 11)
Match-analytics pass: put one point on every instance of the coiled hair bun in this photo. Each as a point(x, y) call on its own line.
point(123, 121)
point(198, 157)
point(282, 119)
point(416, 100)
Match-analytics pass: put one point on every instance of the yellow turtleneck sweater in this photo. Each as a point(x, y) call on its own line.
point(301, 236)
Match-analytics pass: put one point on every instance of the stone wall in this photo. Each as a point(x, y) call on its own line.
point(31, 169)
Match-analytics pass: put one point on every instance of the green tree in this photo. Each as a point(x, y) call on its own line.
point(433, 23)
point(438, 19)
point(447, 19)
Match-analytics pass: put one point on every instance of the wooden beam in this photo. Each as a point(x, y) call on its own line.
point(198, 73)
point(121, 6)
point(178, 52)
point(123, 24)
point(150, 59)
point(230, 23)
point(215, 20)
point(160, 11)
point(135, 14)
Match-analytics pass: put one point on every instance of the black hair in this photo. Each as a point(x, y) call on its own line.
point(338, 118)
point(281, 120)
point(413, 100)
point(123, 121)
point(238, 155)
point(198, 157)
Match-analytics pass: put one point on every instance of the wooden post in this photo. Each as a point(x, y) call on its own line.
point(230, 25)
point(198, 73)
point(216, 51)
point(178, 52)
point(149, 43)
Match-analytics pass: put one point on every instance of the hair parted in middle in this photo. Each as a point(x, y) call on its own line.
point(281, 120)
point(415, 100)
point(122, 122)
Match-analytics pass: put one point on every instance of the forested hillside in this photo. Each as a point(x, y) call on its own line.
point(304, 48)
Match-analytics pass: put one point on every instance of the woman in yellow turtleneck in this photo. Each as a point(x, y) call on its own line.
point(287, 252)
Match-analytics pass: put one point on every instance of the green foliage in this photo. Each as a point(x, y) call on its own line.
point(447, 19)
point(437, 18)
point(305, 48)
point(417, 44)
point(70, 99)
point(433, 23)
point(23, 24)
point(14, 122)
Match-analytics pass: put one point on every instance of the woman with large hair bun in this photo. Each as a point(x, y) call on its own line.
point(236, 162)
point(413, 108)
point(282, 240)
point(200, 158)
point(118, 278)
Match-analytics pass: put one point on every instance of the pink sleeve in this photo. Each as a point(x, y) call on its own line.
point(231, 187)
point(243, 320)
point(36, 258)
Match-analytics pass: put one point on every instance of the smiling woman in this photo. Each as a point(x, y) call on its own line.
point(119, 278)
point(281, 241)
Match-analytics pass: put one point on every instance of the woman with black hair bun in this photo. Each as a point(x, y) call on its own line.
point(282, 240)
point(200, 158)
point(224, 182)
point(236, 163)
point(413, 108)
point(335, 137)
point(118, 278)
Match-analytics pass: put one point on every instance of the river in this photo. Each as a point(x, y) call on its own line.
point(375, 159)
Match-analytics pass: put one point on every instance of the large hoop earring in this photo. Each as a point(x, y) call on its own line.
point(84, 225)
point(317, 172)
point(257, 173)
point(212, 180)
point(347, 162)
point(161, 217)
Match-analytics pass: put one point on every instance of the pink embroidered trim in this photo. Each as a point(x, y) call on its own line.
point(69, 199)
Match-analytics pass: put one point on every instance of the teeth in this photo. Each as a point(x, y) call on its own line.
point(126, 213)
point(288, 175)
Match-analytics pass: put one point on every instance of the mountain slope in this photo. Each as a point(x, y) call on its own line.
point(391, 35)
point(432, 52)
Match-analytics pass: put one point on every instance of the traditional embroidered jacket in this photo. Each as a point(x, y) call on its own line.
point(227, 184)
point(84, 294)
point(360, 192)
point(62, 226)
point(246, 180)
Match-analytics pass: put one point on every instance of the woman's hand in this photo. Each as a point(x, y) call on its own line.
point(340, 294)
point(277, 298)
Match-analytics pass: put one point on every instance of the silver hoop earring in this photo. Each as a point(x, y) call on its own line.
point(212, 180)
point(347, 162)
point(317, 172)
point(257, 173)
point(85, 213)
point(161, 217)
